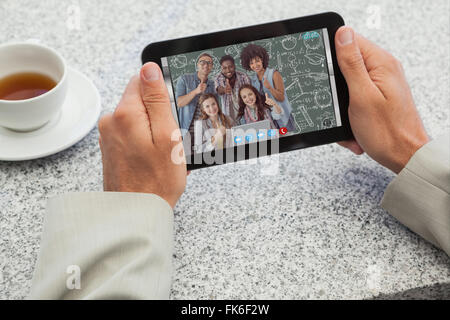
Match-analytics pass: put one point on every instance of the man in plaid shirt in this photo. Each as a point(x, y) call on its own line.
point(227, 85)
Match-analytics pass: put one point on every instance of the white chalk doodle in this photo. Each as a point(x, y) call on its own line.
point(293, 63)
point(301, 122)
point(179, 61)
point(322, 98)
point(233, 51)
point(306, 115)
point(305, 98)
point(279, 63)
point(315, 59)
point(294, 90)
point(299, 127)
point(289, 43)
point(316, 76)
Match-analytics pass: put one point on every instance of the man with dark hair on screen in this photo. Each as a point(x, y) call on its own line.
point(227, 85)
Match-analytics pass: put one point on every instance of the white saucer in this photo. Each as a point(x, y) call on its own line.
point(78, 116)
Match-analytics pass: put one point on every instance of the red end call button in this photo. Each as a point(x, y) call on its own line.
point(283, 131)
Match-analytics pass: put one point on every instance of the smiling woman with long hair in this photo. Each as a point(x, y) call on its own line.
point(252, 108)
point(212, 129)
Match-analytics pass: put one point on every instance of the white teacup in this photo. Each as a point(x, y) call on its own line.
point(33, 113)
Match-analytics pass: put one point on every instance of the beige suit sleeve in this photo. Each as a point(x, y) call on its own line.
point(419, 197)
point(121, 242)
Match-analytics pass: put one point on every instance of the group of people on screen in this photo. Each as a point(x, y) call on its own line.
point(213, 106)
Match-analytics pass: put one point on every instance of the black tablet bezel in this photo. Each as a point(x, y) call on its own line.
point(330, 20)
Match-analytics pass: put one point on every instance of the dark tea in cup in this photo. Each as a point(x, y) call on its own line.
point(25, 85)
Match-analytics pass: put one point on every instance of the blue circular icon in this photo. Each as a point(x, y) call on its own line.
point(249, 137)
point(260, 135)
point(237, 139)
point(271, 132)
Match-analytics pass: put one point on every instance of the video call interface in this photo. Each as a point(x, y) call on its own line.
point(253, 91)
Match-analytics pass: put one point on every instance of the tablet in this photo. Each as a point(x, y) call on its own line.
point(256, 90)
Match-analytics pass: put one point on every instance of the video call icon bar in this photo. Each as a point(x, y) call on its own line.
point(259, 135)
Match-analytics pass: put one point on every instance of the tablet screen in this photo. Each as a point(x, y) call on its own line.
point(251, 91)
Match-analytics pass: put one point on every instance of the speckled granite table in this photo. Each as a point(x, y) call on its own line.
point(314, 230)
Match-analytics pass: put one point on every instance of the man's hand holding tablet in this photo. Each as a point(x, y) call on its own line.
point(383, 116)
